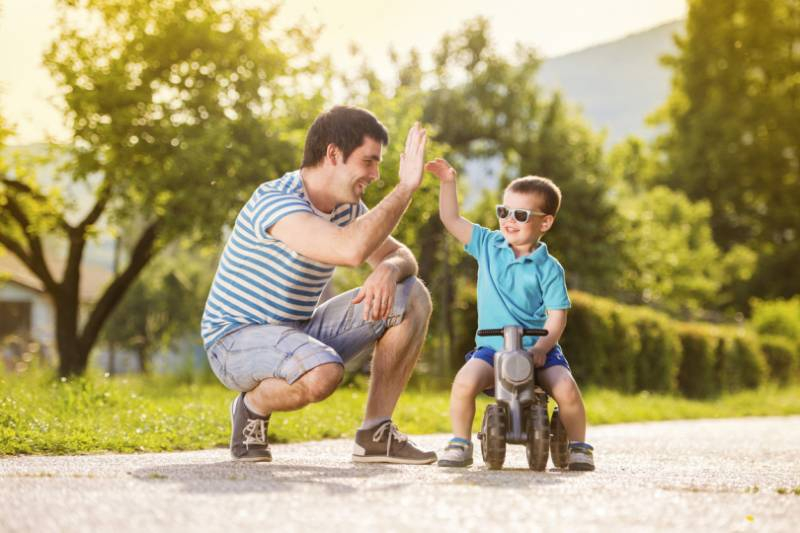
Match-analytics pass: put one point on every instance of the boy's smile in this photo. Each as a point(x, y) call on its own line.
point(524, 236)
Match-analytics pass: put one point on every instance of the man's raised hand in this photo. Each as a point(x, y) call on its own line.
point(413, 157)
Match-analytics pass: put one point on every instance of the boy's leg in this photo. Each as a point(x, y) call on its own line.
point(475, 376)
point(558, 382)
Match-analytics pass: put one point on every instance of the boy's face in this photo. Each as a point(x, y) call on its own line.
point(524, 233)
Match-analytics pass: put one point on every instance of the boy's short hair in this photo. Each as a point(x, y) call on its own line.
point(345, 127)
point(544, 187)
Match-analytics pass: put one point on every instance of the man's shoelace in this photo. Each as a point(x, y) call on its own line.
point(255, 432)
point(393, 433)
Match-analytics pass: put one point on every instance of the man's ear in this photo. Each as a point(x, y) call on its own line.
point(333, 154)
point(547, 222)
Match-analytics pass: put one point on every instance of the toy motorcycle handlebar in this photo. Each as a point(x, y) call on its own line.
point(525, 331)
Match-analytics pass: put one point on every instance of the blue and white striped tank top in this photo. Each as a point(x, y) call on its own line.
point(259, 279)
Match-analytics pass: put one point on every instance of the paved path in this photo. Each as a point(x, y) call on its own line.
point(709, 475)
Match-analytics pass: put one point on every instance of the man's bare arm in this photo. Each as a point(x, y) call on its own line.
point(352, 245)
point(397, 255)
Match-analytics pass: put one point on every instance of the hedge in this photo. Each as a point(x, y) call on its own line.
point(631, 348)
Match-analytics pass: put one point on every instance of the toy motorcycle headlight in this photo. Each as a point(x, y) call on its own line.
point(517, 368)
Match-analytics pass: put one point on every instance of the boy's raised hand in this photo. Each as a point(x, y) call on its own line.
point(441, 169)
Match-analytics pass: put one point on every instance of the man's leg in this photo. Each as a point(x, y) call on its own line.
point(277, 368)
point(396, 354)
point(275, 394)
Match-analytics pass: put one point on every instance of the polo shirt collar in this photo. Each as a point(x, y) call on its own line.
point(539, 255)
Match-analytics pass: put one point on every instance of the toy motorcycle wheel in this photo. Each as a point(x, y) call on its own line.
point(559, 445)
point(538, 446)
point(493, 437)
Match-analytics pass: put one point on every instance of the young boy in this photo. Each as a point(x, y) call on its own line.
point(519, 283)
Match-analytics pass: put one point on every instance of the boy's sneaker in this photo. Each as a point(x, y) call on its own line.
point(581, 457)
point(248, 434)
point(385, 444)
point(458, 453)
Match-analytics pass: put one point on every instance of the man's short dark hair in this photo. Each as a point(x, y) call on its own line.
point(345, 127)
point(544, 187)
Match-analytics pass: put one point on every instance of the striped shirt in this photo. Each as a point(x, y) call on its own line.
point(260, 280)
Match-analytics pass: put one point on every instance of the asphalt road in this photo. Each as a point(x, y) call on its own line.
point(708, 475)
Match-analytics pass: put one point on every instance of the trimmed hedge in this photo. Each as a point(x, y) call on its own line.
point(782, 358)
point(632, 349)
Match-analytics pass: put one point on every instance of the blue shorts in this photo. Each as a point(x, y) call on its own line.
point(335, 333)
point(555, 357)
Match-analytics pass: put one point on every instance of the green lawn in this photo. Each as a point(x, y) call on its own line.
point(41, 416)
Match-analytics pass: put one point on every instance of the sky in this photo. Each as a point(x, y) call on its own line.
point(28, 98)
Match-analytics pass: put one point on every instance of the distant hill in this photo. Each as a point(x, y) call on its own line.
point(617, 84)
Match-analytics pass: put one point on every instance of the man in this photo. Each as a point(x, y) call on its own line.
point(262, 329)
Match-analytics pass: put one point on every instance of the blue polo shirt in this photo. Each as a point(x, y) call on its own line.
point(514, 291)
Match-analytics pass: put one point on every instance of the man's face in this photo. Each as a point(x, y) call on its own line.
point(524, 233)
point(361, 168)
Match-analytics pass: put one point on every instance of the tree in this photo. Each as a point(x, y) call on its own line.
point(489, 106)
point(734, 137)
point(178, 109)
point(162, 307)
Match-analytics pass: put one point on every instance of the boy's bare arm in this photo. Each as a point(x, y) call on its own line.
point(555, 324)
point(458, 226)
point(351, 245)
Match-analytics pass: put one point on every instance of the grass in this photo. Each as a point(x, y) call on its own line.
point(40, 415)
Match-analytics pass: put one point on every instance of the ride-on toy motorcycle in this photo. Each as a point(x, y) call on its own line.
point(519, 414)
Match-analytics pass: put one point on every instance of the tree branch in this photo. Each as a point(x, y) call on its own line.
point(103, 196)
point(143, 252)
point(34, 259)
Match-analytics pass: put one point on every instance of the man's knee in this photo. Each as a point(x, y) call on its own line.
point(419, 300)
point(320, 382)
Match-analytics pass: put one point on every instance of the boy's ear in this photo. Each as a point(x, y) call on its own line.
point(547, 223)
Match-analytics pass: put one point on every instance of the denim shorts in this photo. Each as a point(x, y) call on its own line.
point(555, 357)
point(335, 333)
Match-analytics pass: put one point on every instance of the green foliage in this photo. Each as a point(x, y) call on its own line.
point(696, 374)
point(488, 106)
point(660, 356)
point(673, 261)
point(178, 109)
point(734, 129)
point(161, 309)
point(631, 348)
point(95, 414)
point(740, 362)
point(777, 317)
point(783, 358)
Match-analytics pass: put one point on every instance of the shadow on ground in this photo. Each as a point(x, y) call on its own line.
point(230, 476)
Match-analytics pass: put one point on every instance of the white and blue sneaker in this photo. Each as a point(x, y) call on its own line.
point(457, 453)
point(581, 457)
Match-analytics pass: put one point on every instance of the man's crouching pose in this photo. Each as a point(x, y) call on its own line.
point(262, 329)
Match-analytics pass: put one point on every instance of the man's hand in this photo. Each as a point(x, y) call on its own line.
point(412, 158)
point(377, 293)
point(539, 356)
point(442, 170)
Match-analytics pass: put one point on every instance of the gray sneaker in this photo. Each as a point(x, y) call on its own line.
point(248, 434)
point(581, 457)
point(385, 444)
point(456, 454)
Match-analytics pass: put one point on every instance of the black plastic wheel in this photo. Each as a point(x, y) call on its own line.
point(559, 444)
point(538, 446)
point(493, 436)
